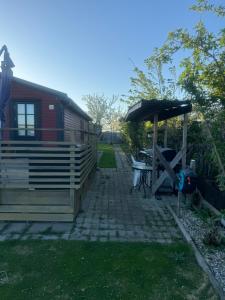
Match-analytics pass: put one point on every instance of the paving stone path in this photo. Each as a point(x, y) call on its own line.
point(109, 213)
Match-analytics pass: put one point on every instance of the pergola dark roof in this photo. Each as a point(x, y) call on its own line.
point(145, 110)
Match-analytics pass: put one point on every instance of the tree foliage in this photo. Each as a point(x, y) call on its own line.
point(97, 107)
point(202, 79)
point(203, 75)
point(152, 84)
point(205, 5)
point(104, 111)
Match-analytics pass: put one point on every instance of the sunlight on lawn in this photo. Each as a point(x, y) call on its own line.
point(107, 159)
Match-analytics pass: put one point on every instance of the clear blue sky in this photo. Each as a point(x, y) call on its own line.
point(85, 46)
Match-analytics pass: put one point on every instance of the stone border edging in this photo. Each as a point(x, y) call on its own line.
point(211, 208)
point(200, 259)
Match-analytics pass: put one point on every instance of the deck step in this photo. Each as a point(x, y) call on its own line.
point(46, 209)
point(56, 213)
point(34, 197)
point(36, 217)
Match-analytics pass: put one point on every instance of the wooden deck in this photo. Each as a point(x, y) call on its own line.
point(43, 181)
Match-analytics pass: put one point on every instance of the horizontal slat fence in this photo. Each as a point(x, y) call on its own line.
point(64, 166)
point(43, 180)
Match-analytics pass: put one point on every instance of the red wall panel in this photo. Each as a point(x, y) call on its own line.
point(46, 118)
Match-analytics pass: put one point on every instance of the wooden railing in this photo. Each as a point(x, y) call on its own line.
point(46, 164)
point(52, 134)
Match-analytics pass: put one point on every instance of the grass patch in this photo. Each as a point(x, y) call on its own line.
point(94, 270)
point(107, 159)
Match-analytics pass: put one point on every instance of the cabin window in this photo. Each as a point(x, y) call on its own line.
point(25, 119)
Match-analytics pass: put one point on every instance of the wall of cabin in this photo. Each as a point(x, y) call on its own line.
point(59, 117)
point(75, 121)
point(46, 118)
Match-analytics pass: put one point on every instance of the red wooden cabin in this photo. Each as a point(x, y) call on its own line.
point(36, 109)
point(47, 154)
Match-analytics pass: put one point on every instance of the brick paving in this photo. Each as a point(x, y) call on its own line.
point(109, 213)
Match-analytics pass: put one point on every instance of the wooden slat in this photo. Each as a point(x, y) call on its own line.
point(43, 150)
point(166, 165)
point(35, 197)
point(40, 161)
point(11, 142)
point(35, 155)
point(54, 148)
point(86, 167)
point(36, 149)
point(36, 209)
point(85, 174)
point(50, 168)
point(164, 175)
point(43, 180)
point(39, 186)
point(43, 174)
point(82, 180)
point(85, 157)
point(36, 217)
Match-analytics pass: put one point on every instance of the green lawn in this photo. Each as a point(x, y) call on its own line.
point(107, 159)
point(64, 270)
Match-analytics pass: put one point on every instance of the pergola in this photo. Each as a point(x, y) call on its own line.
point(161, 110)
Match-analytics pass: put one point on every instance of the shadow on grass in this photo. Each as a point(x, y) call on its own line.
point(94, 270)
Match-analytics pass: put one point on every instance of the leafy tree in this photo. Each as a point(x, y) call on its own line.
point(205, 5)
point(203, 77)
point(112, 112)
point(104, 111)
point(152, 84)
point(97, 107)
point(113, 115)
point(148, 85)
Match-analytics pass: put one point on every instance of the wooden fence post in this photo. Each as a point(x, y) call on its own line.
point(72, 169)
point(165, 134)
point(184, 146)
point(154, 155)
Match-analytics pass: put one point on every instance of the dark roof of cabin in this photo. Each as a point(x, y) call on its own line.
point(145, 110)
point(62, 96)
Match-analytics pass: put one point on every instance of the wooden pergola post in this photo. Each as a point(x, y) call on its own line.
point(184, 160)
point(165, 133)
point(184, 144)
point(154, 155)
